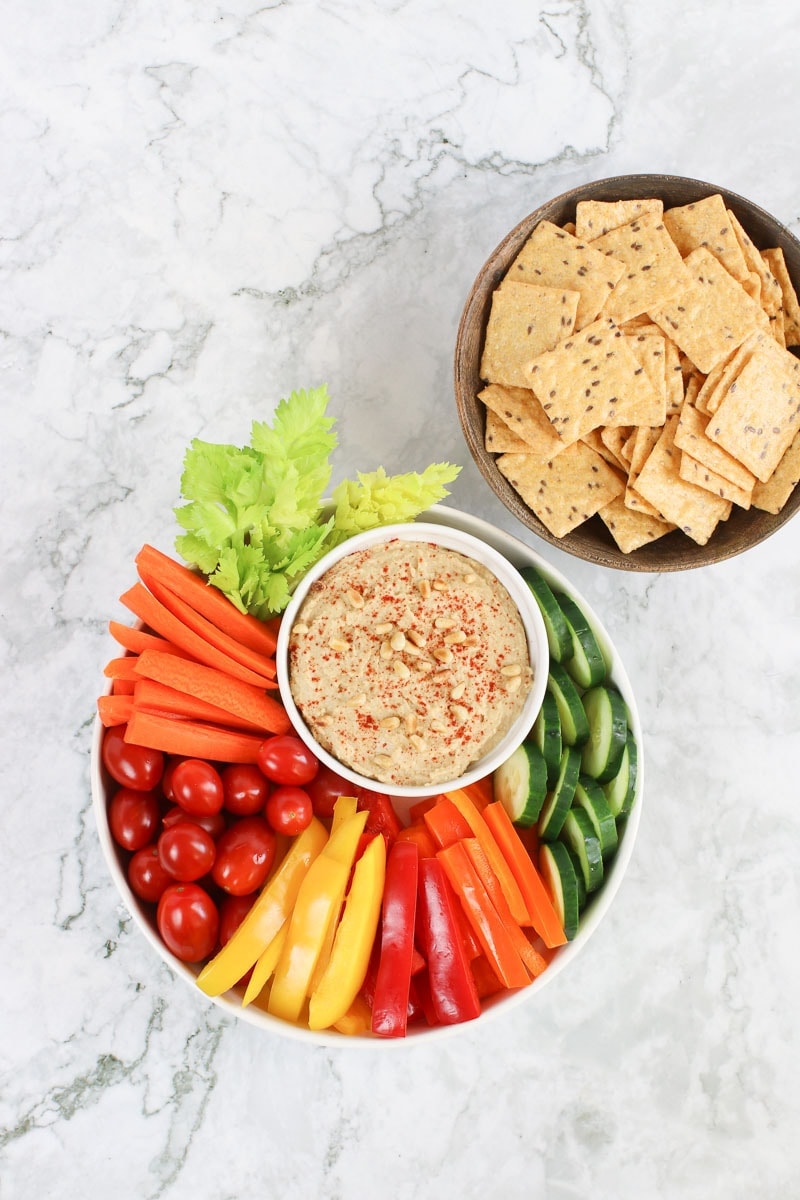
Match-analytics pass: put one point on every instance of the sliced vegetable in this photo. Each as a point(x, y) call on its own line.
point(543, 916)
point(586, 664)
point(546, 734)
point(191, 738)
point(574, 723)
point(561, 881)
point(589, 795)
point(520, 784)
point(559, 800)
point(620, 790)
point(532, 959)
point(264, 967)
point(558, 635)
point(505, 875)
point(453, 995)
point(445, 823)
point(151, 696)
point(579, 834)
point(114, 710)
point(217, 688)
point(136, 640)
point(608, 731)
point(393, 982)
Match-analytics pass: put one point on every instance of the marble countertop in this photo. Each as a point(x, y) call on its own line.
point(202, 208)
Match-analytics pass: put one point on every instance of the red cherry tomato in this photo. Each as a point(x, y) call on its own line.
point(186, 851)
point(214, 823)
point(325, 789)
point(188, 921)
point(146, 876)
point(197, 787)
point(245, 788)
point(232, 911)
point(135, 767)
point(166, 778)
point(286, 759)
point(133, 818)
point(245, 854)
point(289, 810)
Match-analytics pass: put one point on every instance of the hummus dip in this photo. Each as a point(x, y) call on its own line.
point(408, 662)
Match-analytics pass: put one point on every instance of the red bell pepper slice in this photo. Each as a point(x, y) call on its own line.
point(454, 997)
point(418, 832)
point(390, 1003)
point(381, 815)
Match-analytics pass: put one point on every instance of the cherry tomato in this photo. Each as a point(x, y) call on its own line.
point(166, 778)
point(232, 911)
point(188, 921)
point(214, 823)
point(197, 787)
point(135, 767)
point(186, 851)
point(133, 818)
point(325, 789)
point(286, 759)
point(146, 876)
point(289, 810)
point(245, 789)
point(245, 854)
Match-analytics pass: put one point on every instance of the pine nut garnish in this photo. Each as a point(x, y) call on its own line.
point(459, 712)
point(386, 651)
point(337, 643)
point(389, 723)
point(424, 665)
point(443, 655)
point(413, 651)
point(357, 701)
point(382, 762)
point(355, 598)
point(401, 669)
point(455, 638)
point(458, 691)
point(470, 578)
point(424, 588)
point(300, 628)
point(511, 669)
point(384, 627)
point(398, 640)
point(418, 743)
point(514, 683)
point(445, 623)
point(439, 585)
point(438, 727)
point(416, 639)
point(325, 720)
point(410, 722)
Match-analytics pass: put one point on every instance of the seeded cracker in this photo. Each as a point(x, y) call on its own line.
point(593, 379)
point(521, 411)
point(776, 262)
point(771, 299)
point(690, 436)
point(650, 351)
point(593, 218)
point(644, 441)
point(706, 223)
point(654, 268)
point(711, 316)
point(772, 495)
point(694, 510)
point(759, 415)
point(524, 320)
point(566, 491)
point(696, 472)
point(553, 258)
point(719, 380)
point(630, 529)
point(500, 438)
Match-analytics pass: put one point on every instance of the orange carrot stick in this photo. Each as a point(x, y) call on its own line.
point(122, 687)
point(205, 598)
point(151, 696)
point(121, 668)
point(508, 882)
point(114, 710)
point(543, 915)
point(144, 605)
point(191, 738)
point(136, 640)
point(529, 955)
point(214, 687)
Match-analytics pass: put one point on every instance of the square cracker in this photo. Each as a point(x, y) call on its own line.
point(711, 316)
point(500, 438)
point(759, 414)
point(593, 218)
point(690, 436)
point(523, 321)
point(566, 491)
point(654, 268)
point(706, 223)
point(650, 351)
point(719, 380)
point(772, 495)
point(631, 529)
point(520, 410)
point(696, 472)
point(693, 509)
point(591, 379)
point(776, 262)
point(770, 298)
point(552, 257)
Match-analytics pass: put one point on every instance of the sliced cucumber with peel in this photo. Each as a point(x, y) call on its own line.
point(620, 791)
point(546, 734)
point(559, 639)
point(591, 798)
point(578, 833)
point(558, 802)
point(561, 880)
point(607, 719)
point(520, 784)
point(586, 663)
point(574, 722)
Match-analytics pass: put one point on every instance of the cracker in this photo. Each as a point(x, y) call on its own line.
point(690, 436)
point(644, 440)
point(772, 495)
point(759, 414)
point(650, 351)
point(689, 507)
point(719, 380)
point(673, 372)
point(524, 320)
point(521, 411)
point(630, 529)
point(593, 218)
point(591, 379)
point(566, 491)
point(654, 268)
point(771, 298)
point(706, 223)
point(711, 316)
point(594, 439)
point(613, 438)
point(696, 472)
point(499, 438)
point(553, 258)
point(776, 262)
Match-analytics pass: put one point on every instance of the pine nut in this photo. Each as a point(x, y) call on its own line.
point(458, 691)
point(511, 669)
point(401, 670)
point(355, 598)
point(455, 638)
point(389, 723)
point(443, 655)
point(398, 640)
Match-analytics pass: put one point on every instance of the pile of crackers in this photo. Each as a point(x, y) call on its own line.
point(637, 366)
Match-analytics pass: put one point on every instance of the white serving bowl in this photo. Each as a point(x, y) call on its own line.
point(519, 555)
point(472, 548)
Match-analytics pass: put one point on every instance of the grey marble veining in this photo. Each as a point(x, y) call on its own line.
point(201, 209)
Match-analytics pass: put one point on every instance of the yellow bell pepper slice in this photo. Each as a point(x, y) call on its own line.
point(318, 904)
point(357, 1020)
point(344, 807)
point(352, 946)
point(267, 915)
point(264, 967)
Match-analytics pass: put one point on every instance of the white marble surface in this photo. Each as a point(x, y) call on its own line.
point(202, 207)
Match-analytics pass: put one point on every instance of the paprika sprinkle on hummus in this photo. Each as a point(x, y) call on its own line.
point(409, 662)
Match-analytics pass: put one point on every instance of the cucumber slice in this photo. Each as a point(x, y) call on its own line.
point(578, 833)
point(558, 801)
point(579, 877)
point(590, 796)
point(607, 719)
point(620, 790)
point(558, 635)
point(520, 784)
point(546, 734)
point(574, 722)
point(586, 664)
point(561, 880)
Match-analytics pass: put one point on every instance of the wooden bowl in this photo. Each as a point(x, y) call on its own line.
point(592, 540)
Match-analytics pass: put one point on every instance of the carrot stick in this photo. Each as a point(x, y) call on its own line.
point(543, 915)
point(114, 710)
point(122, 687)
point(136, 640)
point(151, 696)
point(205, 598)
point(121, 668)
point(212, 686)
point(508, 882)
point(144, 605)
point(531, 957)
point(191, 738)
